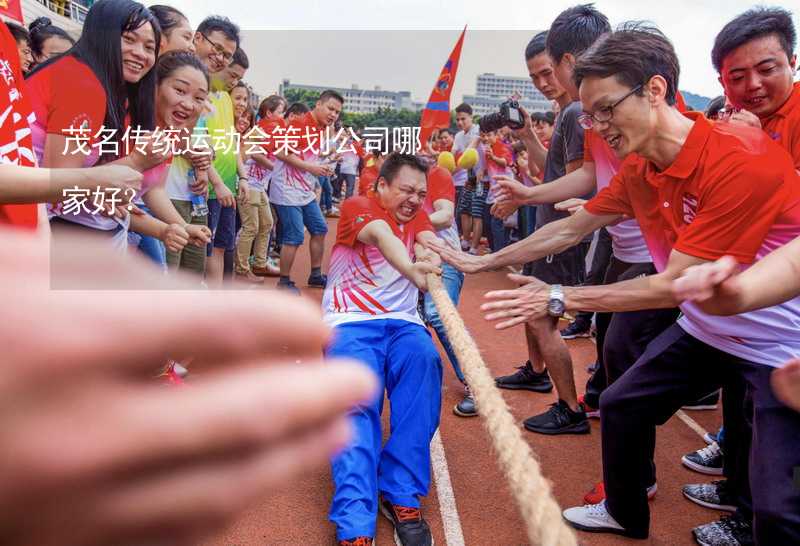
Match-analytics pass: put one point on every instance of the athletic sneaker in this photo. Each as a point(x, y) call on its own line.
point(358, 541)
point(711, 437)
point(317, 281)
point(591, 412)
point(598, 493)
point(576, 329)
point(708, 460)
point(288, 286)
point(526, 379)
point(409, 527)
point(705, 403)
point(711, 495)
point(728, 531)
point(559, 419)
point(596, 519)
point(466, 408)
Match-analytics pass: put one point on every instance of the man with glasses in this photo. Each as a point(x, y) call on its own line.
point(699, 191)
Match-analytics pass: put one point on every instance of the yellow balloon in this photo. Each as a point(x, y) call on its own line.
point(447, 161)
point(468, 159)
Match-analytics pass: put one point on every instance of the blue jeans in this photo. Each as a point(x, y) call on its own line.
point(453, 280)
point(222, 223)
point(326, 199)
point(293, 220)
point(151, 247)
point(350, 184)
point(499, 232)
point(407, 365)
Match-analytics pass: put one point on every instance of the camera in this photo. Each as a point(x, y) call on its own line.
point(508, 116)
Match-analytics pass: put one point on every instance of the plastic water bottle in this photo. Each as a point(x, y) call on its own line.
point(199, 205)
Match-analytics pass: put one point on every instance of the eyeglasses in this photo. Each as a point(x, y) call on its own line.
point(218, 49)
point(603, 115)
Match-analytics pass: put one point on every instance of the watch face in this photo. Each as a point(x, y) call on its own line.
point(555, 308)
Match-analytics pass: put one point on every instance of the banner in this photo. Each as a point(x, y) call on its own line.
point(11, 9)
point(436, 114)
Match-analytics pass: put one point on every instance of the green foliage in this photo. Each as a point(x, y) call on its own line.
point(306, 96)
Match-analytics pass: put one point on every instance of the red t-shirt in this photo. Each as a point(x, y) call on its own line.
point(784, 125)
point(362, 284)
point(440, 186)
point(731, 190)
point(16, 144)
point(366, 180)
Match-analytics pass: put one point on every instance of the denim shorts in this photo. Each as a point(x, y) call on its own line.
point(294, 219)
point(222, 223)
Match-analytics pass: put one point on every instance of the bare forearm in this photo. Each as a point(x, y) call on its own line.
point(158, 202)
point(550, 239)
point(147, 225)
point(396, 254)
point(20, 185)
point(652, 292)
point(537, 154)
point(294, 161)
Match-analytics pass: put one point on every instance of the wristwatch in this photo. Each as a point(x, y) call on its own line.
point(555, 305)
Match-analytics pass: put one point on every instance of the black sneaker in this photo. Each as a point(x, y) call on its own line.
point(409, 527)
point(711, 495)
point(705, 403)
point(576, 329)
point(288, 287)
point(317, 281)
point(559, 419)
point(728, 531)
point(466, 408)
point(708, 460)
point(525, 379)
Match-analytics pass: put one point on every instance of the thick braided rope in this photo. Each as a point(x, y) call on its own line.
point(530, 489)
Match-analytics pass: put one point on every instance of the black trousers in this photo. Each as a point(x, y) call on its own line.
point(676, 369)
point(623, 337)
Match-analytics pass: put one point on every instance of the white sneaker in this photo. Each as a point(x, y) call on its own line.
point(593, 518)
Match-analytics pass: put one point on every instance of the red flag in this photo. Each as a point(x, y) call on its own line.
point(436, 114)
point(11, 9)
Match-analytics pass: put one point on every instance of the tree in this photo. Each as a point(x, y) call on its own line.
point(306, 96)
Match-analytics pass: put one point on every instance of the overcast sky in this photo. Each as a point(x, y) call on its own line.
point(402, 44)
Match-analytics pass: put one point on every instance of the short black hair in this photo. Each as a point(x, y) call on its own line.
point(574, 30)
point(330, 94)
point(464, 108)
point(713, 107)
point(240, 58)
point(216, 23)
point(633, 53)
point(19, 32)
point(548, 117)
point(448, 130)
point(397, 161)
point(752, 24)
point(536, 46)
point(296, 108)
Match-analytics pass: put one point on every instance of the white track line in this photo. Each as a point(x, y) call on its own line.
point(453, 535)
point(691, 423)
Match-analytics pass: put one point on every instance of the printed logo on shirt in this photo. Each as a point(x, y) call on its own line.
point(689, 207)
point(81, 121)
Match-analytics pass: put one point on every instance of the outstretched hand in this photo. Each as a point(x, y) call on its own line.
point(520, 305)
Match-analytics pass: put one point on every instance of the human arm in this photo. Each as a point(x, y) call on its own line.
point(537, 153)
point(378, 234)
point(530, 301)
point(297, 163)
point(552, 238)
point(41, 185)
point(162, 208)
point(444, 212)
point(719, 289)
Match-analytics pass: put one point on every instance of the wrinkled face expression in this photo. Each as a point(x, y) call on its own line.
point(215, 49)
point(543, 130)
point(633, 121)
point(180, 38)
point(543, 76)
point(138, 52)
point(757, 76)
point(326, 113)
point(25, 55)
point(464, 121)
point(181, 98)
point(54, 45)
point(404, 196)
point(241, 99)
